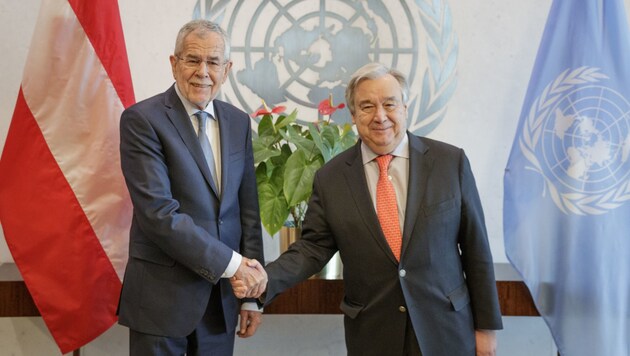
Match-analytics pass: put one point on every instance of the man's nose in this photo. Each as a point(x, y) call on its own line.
point(203, 69)
point(380, 114)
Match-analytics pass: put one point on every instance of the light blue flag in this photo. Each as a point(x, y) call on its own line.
point(567, 181)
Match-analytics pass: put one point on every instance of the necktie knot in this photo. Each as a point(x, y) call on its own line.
point(383, 163)
point(202, 117)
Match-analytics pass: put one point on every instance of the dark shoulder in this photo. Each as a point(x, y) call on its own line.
point(230, 110)
point(342, 160)
point(433, 147)
point(156, 102)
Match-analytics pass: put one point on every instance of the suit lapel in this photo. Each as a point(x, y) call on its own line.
point(224, 129)
point(420, 165)
point(177, 115)
point(357, 184)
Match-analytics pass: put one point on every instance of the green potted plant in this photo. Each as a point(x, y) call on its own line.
point(287, 155)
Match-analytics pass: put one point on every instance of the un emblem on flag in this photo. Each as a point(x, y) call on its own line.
point(296, 53)
point(577, 136)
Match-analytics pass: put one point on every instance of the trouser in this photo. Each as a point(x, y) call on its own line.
point(210, 338)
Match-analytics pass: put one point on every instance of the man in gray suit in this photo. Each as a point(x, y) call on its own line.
point(196, 221)
point(405, 215)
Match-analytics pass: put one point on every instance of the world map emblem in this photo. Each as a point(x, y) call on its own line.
point(297, 53)
point(577, 135)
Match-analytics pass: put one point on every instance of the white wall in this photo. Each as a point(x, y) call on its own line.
point(498, 41)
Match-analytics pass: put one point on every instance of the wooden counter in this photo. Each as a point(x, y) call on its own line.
point(318, 296)
point(313, 296)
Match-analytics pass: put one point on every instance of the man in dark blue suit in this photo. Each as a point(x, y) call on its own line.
point(404, 213)
point(188, 164)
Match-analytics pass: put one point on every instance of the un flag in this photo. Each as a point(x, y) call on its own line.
point(567, 181)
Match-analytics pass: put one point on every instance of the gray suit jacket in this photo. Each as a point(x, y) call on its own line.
point(183, 233)
point(445, 278)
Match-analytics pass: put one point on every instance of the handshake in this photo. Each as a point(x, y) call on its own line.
point(250, 279)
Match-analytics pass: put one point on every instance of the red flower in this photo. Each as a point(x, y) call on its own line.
point(264, 110)
point(326, 106)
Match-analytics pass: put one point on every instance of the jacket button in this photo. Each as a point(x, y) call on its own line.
point(402, 309)
point(402, 273)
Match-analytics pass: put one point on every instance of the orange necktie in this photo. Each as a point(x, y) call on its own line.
point(386, 207)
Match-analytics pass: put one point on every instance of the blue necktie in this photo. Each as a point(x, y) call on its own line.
point(202, 116)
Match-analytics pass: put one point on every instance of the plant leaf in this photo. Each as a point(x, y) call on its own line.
point(348, 137)
point(317, 139)
point(286, 120)
point(329, 133)
point(296, 137)
point(265, 127)
point(263, 149)
point(298, 177)
point(261, 173)
point(281, 159)
point(274, 209)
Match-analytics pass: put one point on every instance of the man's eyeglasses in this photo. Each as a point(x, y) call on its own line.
point(214, 65)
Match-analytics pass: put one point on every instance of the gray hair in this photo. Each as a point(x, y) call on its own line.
point(204, 26)
point(374, 71)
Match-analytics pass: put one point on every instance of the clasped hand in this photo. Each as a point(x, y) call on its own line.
point(250, 280)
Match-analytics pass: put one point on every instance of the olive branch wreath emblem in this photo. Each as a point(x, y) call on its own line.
point(575, 202)
point(439, 80)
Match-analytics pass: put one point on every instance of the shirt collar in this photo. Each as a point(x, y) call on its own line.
point(402, 150)
point(190, 108)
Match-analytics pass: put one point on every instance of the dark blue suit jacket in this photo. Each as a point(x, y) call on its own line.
point(183, 233)
point(444, 282)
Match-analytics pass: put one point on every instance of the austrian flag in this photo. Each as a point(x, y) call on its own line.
point(64, 206)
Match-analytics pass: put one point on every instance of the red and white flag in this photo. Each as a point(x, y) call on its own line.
point(64, 206)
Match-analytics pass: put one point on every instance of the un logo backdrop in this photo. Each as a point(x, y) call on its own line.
point(297, 53)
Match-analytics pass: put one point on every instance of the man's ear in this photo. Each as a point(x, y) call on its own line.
point(173, 61)
point(227, 68)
